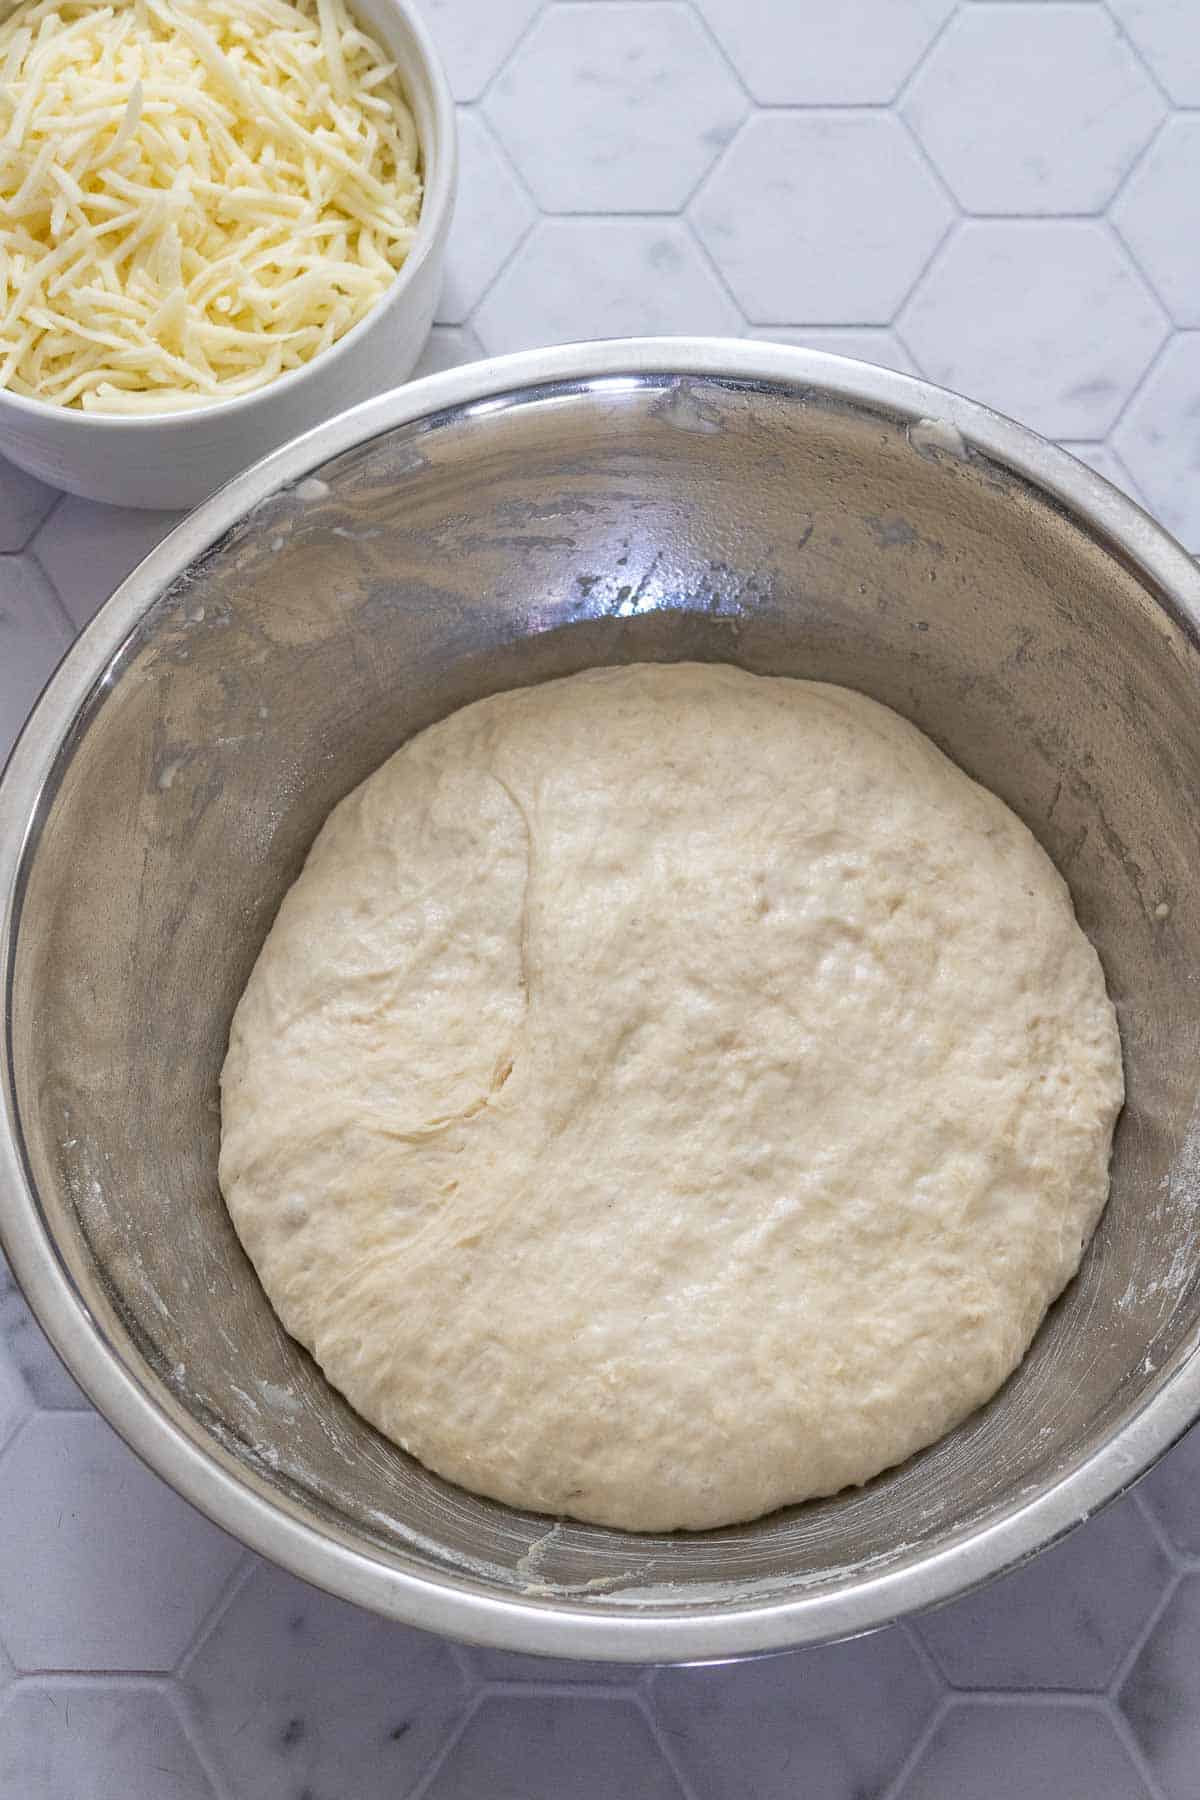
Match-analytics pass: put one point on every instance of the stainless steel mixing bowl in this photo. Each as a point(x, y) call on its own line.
point(500, 524)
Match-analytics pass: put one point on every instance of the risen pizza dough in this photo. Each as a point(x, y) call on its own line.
point(668, 1093)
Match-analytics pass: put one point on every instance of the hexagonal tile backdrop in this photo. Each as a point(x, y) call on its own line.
point(102, 1533)
point(1161, 1695)
point(1010, 131)
point(95, 1740)
point(827, 214)
point(740, 1730)
point(1045, 319)
point(542, 1746)
point(615, 107)
point(294, 1690)
point(999, 195)
point(856, 53)
point(1007, 1637)
point(1164, 34)
point(1158, 214)
point(979, 1750)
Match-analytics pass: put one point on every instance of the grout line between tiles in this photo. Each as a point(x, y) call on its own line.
point(666, 1749)
point(1135, 263)
point(452, 1739)
point(181, 1703)
point(903, 93)
point(911, 1630)
point(1136, 162)
point(1137, 1497)
point(22, 1426)
point(707, 29)
point(928, 163)
point(1134, 1751)
point(1134, 49)
point(920, 1744)
point(514, 50)
point(39, 527)
point(715, 269)
point(469, 323)
point(240, 1577)
point(940, 248)
point(1139, 386)
point(495, 137)
point(1142, 1637)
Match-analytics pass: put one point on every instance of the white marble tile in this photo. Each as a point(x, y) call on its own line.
point(298, 1693)
point(448, 347)
point(1165, 33)
point(790, 1725)
point(594, 278)
point(1010, 130)
point(1159, 438)
point(867, 343)
point(475, 37)
point(1161, 1695)
point(823, 216)
point(24, 503)
point(24, 1344)
point(33, 636)
point(1158, 215)
point(1064, 1620)
point(616, 106)
point(983, 1751)
point(561, 1748)
point(822, 55)
point(84, 1740)
point(492, 215)
point(88, 549)
point(1172, 1492)
point(123, 1570)
point(1047, 320)
point(1106, 462)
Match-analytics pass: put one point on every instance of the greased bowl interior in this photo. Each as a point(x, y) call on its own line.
point(774, 508)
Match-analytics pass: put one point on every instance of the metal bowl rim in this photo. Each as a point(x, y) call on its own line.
point(442, 1602)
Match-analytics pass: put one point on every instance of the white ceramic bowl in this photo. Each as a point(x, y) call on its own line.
point(178, 459)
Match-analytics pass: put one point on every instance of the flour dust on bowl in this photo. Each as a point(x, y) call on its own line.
point(497, 526)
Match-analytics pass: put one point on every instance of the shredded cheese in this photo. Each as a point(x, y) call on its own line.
point(195, 195)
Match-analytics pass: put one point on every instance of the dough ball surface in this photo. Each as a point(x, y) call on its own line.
point(668, 1093)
